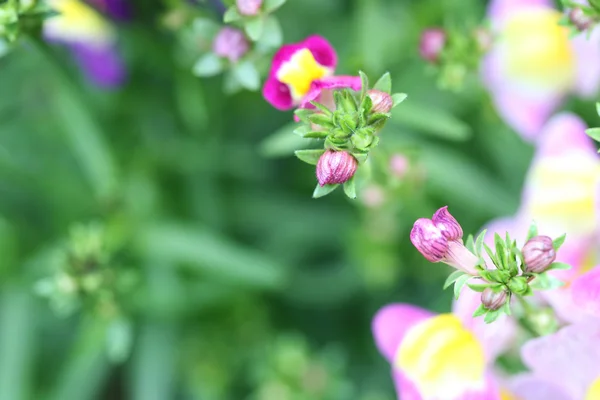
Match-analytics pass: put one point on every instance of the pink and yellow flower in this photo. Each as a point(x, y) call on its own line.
point(441, 357)
point(303, 72)
point(534, 64)
point(563, 366)
point(562, 194)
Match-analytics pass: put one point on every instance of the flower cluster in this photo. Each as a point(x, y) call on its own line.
point(515, 272)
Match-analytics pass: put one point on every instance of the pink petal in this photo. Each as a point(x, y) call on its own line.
point(278, 94)
point(322, 50)
point(405, 389)
point(499, 10)
point(570, 356)
point(495, 338)
point(587, 52)
point(329, 83)
point(565, 132)
point(586, 292)
point(561, 301)
point(530, 387)
point(391, 323)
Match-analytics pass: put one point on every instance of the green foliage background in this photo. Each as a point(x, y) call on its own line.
point(243, 286)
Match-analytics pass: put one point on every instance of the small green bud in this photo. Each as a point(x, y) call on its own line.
point(518, 285)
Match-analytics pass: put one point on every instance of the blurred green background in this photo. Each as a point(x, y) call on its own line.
point(159, 241)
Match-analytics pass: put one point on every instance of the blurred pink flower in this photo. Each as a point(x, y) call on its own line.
point(563, 366)
point(562, 195)
point(231, 43)
point(446, 356)
point(432, 44)
point(303, 72)
point(533, 63)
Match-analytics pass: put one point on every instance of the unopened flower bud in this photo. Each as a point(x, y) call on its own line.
point(579, 18)
point(432, 43)
point(335, 167)
point(230, 43)
point(447, 224)
point(493, 300)
point(248, 7)
point(428, 239)
point(538, 254)
point(382, 101)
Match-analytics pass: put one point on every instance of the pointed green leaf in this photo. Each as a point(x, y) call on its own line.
point(272, 36)
point(254, 27)
point(594, 133)
point(479, 311)
point(208, 65)
point(301, 130)
point(479, 242)
point(232, 14)
point(350, 188)
point(272, 5)
point(303, 114)
point(452, 278)
point(480, 287)
point(492, 316)
point(316, 134)
point(470, 244)
point(309, 156)
point(282, 143)
point(558, 266)
point(323, 108)
point(460, 282)
point(506, 307)
point(398, 98)
point(361, 157)
point(321, 191)
point(556, 243)
point(384, 83)
point(533, 230)
point(247, 75)
point(364, 79)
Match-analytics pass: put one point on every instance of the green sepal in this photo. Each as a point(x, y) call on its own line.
point(506, 306)
point(361, 157)
point(384, 83)
point(321, 191)
point(479, 242)
point(254, 27)
point(350, 188)
point(533, 231)
point(491, 254)
point(500, 252)
point(364, 79)
point(316, 135)
point(232, 14)
point(321, 119)
point(480, 287)
point(558, 266)
point(518, 285)
point(310, 156)
point(303, 114)
point(378, 117)
point(470, 244)
point(452, 278)
point(323, 108)
point(556, 243)
point(479, 311)
point(459, 283)
point(491, 316)
point(398, 98)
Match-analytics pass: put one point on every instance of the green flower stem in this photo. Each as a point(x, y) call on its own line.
point(537, 321)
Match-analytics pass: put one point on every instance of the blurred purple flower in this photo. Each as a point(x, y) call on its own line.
point(231, 43)
point(102, 65)
point(118, 9)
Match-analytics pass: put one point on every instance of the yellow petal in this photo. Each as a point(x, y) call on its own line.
point(299, 72)
point(593, 392)
point(78, 22)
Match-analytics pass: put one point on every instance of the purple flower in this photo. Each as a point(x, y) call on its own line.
point(538, 254)
point(586, 292)
point(534, 64)
point(302, 72)
point(248, 7)
point(335, 167)
point(432, 44)
point(440, 240)
point(117, 9)
point(231, 43)
point(102, 65)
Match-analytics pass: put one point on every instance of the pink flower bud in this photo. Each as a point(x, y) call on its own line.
point(538, 254)
point(382, 101)
point(578, 18)
point(230, 43)
point(398, 165)
point(248, 7)
point(432, 43)
point(429, 240)
point(335, 167)
point(447, 224)
point(493, 300)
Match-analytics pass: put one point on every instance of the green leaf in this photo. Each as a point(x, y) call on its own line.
point(310, 156)
point(452, 278)
point(491, 254)
point(254, 27)
point(594, 133)
point(558, 266)
point(119, 339)
point(361, 157)
point(470, 244)
point(232, 14)
point(491, 316)
point(479, 242)
point(364, 79)
point(384, 83)
point(272, 5)
point(506, 307)
point(283, 142)
point(209, 64)
point(272, 36)
point(350, 188)
point(500, 252)
point(479, 311)
point(556, 243)
point(316, 134)
point(205, 28)
point(247, 75)
point(434, 122)
point(545, 281)
point(480, 287)
point(321, 191)
point(533, 230)
point(460, 282)
point(323, 108)
point(398, 98)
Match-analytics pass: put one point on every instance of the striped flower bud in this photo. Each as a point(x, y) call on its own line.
point(538, 254)
point(335, 167)
point(382, 101)
point(493, 300)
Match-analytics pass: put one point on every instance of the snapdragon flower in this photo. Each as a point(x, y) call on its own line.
point(302, 72)
point(91, 39)
point(533, 63)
